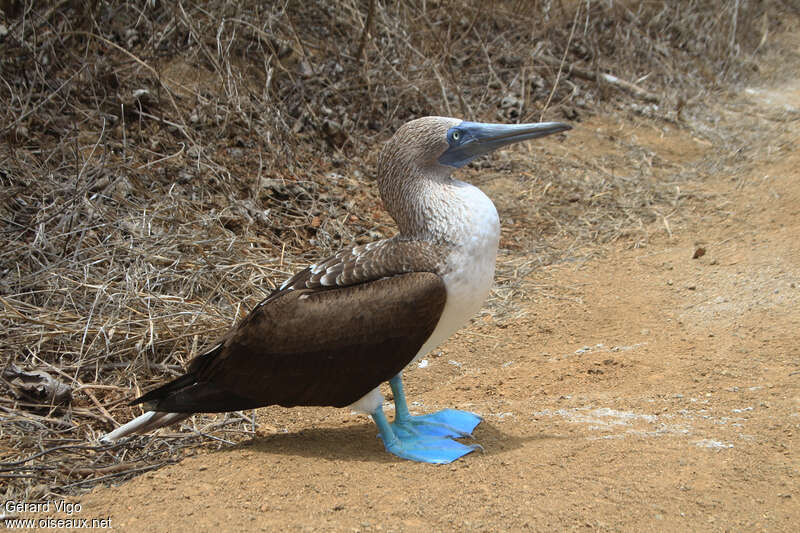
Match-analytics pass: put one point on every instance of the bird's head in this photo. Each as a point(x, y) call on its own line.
point(436, 146)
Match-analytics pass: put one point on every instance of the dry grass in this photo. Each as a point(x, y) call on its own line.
point(164, 166)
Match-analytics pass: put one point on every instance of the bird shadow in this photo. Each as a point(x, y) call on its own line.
point(359, 442)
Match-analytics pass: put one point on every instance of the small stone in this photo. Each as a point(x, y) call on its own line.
point(334, 132)
point(699, 252)
point(510, 101)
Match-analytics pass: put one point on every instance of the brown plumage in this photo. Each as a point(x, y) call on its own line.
point(311, 346)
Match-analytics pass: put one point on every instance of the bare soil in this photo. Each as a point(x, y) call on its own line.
point(642, 390)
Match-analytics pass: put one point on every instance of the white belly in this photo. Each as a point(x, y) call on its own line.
point(465, 296)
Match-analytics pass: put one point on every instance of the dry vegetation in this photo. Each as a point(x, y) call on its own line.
point(164, 164)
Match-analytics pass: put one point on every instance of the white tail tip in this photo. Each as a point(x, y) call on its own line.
point(144, 423)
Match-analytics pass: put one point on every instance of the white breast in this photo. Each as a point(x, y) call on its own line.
point(470, 272)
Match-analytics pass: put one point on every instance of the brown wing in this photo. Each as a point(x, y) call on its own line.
point(312, 347)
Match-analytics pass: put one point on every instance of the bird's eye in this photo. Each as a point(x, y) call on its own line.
point(456, 135)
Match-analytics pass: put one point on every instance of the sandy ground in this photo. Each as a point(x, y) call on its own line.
point(642, 391)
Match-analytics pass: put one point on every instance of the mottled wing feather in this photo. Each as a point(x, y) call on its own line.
point(368, 262)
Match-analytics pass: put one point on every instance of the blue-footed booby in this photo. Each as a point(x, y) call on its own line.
point(333, 332)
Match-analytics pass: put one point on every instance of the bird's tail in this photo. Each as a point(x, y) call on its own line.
point(144, 423)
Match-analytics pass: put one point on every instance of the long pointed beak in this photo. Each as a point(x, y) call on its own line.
point(469, 140)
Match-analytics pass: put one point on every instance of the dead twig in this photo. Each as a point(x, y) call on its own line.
point(604, 77)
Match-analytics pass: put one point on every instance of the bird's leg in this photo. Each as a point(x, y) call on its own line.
point(419, 448)
point(401, 412)
point(445, 423)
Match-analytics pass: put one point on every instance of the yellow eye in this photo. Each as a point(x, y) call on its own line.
point(456, 135)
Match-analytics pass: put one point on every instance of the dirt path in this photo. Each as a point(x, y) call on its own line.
point(644, 391)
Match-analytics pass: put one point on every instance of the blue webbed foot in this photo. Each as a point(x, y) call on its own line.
point(419, 445)
point(445, 423)
point(429, 450)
